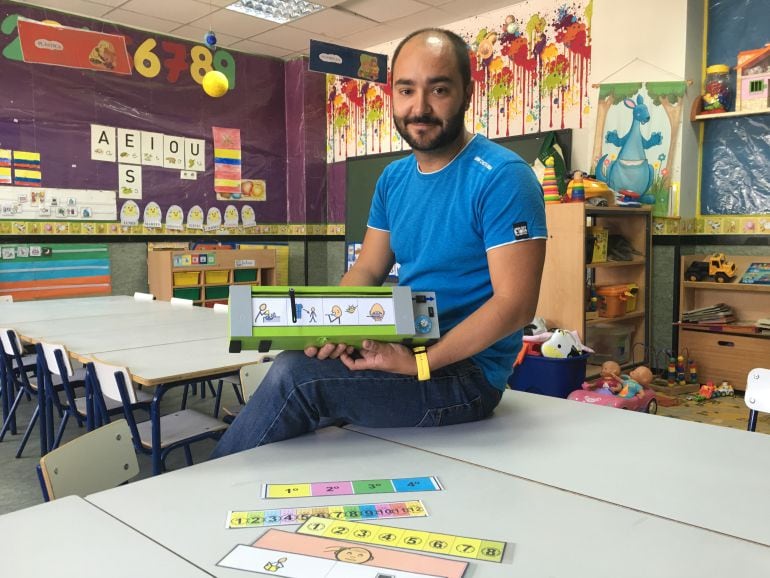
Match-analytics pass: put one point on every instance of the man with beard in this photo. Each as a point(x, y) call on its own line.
point(463, 217)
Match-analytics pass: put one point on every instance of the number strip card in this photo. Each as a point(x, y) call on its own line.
point(355, 487)
point(287, 516)
point(463, 547)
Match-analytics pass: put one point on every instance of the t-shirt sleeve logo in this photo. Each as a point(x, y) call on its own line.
point(520, 231)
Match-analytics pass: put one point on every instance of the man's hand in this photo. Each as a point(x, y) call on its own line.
point(329, 351)
point(391, 357)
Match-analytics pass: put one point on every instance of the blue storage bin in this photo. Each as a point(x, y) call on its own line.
point(548, 375)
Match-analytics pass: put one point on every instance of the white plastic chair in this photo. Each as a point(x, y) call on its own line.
point(139, 296)
point(248, 380)
point(180, 302)
point(179, 429)
point(757, 395)
point(98, 460)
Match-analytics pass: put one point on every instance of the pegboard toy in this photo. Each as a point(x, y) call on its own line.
point(279, 317)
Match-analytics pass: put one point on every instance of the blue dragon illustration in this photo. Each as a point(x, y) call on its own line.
point(630, 170)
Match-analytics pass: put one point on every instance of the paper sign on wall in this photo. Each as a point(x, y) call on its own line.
point(103, 143)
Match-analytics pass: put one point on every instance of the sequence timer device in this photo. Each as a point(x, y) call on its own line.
point(278, 317)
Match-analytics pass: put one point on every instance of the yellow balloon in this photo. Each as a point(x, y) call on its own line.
point(215, 84)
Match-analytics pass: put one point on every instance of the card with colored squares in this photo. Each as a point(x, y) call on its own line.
point(288, 516)
point(349, 488)
point(428, 542)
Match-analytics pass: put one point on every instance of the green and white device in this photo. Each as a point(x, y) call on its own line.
point(278, 317)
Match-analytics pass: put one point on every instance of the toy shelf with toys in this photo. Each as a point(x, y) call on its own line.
point(731, 342)
point(608, 248)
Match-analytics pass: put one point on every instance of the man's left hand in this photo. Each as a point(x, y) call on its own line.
point(391, 357)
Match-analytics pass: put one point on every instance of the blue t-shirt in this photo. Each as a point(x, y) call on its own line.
point(442, 224)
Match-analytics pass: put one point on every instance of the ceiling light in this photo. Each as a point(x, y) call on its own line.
point(280, 11)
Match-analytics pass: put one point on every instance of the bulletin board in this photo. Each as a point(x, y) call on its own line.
point(126, 142)
point(736, 172)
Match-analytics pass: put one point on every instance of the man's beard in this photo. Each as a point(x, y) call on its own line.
point(447, 135)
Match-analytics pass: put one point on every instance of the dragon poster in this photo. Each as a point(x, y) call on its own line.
point(530, 65)
point(637, 131)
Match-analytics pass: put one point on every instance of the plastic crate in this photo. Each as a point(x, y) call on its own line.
point(556, 377)
point(218, 292)
point(193, 293)
point(214, 277)
point(610, 343)
point(617, 300)
point(244, 275)
point(186, 278)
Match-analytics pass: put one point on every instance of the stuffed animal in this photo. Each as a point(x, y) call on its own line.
point(561, 344)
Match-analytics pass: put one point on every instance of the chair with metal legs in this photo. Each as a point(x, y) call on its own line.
point(180, 429)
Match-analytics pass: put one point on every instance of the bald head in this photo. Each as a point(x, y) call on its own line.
point(439, 36)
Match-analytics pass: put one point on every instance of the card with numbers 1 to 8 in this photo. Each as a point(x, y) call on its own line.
point(429, 542)
point(286, 516)
point(349, 488)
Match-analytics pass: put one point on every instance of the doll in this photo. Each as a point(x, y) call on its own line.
point(634, 383)
point(609, 377)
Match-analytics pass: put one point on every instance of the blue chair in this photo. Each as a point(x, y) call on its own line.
point(58, 377)
point(16, 381)
point(179, 429)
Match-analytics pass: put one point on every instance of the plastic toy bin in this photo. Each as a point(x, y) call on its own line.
point(193, 293)
point(611, 342)
point(186, 278)
point(215, 277)
point(217, 292)
point(617, 300)
point(244, 275)
point(548, 375)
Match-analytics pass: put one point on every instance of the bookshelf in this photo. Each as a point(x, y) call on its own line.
point(725, 352)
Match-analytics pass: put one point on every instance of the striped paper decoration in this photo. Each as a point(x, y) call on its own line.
point(26, 169)
point(49, 271)
point(227, 160)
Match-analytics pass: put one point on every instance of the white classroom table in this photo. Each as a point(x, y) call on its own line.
point(708, 476)
point(44, 309)
point(71, 538)
point(549, 532)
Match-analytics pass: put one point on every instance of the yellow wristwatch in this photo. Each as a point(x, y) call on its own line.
point(423, 369)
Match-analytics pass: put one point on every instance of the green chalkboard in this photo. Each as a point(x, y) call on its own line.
point(362, 174)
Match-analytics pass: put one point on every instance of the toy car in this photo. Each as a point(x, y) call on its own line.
point(647, 402)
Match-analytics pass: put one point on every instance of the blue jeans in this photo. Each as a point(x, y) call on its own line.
point(299, 394)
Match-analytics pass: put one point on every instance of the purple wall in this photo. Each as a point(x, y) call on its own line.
point(49, 109)
point(306, 143)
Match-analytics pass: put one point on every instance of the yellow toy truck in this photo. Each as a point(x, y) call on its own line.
point(717, 267)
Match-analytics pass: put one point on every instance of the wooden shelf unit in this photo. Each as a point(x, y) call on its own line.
point(725, 355)
point(563, 290)
point(209, 283)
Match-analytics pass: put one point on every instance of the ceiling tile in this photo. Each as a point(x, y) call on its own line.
point(141, 21)
point(262, 49)
point(290, 38)
point(234, 23)
point(333, 22)
point(372, 37)
point(384, 11)
point(75, 7)
point(462, 9)
point(182, 11)
point(430, 17)
point(197, 34)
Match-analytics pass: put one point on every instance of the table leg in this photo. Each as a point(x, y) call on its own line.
point(157, 465)
point(42, 418)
